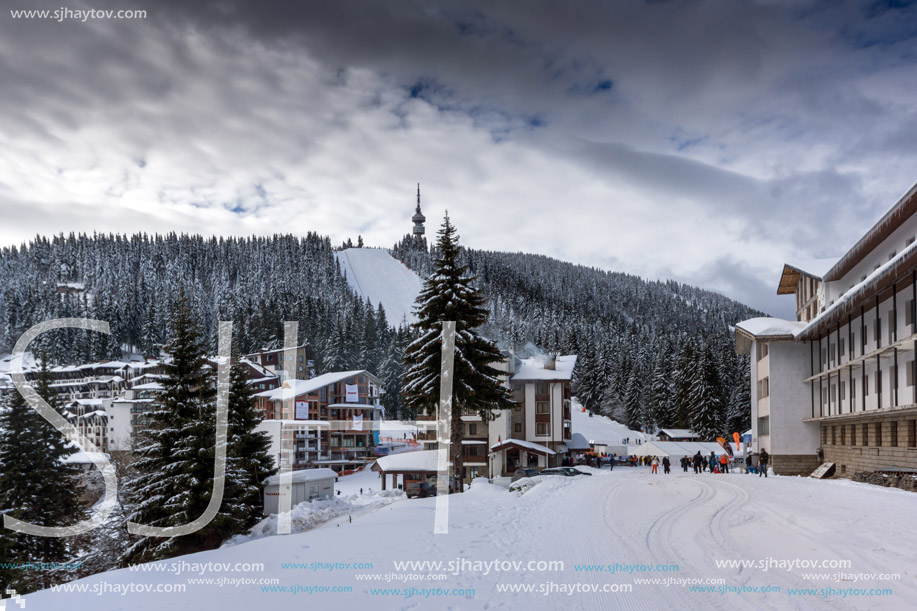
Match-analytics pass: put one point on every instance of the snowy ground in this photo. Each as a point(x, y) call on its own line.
point(373, 273)
point(601, 429)
point(672, 529)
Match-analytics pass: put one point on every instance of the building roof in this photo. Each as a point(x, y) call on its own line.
point(420, 460)
point(816, 268)
point(533, 369)
point(304, 475)
point(522, 443)
point(680, 433)
point(903, 209)
point(303, 387)
point(578, 441)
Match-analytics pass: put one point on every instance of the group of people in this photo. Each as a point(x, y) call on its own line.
point(712, 464)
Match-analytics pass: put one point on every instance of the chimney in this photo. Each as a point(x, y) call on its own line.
point(550, 361)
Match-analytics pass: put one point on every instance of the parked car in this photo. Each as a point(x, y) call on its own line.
point(570, 471)
point(420, 489)
point(524, 472)
point(554, 471)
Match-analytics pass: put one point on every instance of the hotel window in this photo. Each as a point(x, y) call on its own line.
point(865, 440)
point(843, 387)
point(853, 434)
point(517, 427)
point(764, 425)
point(472, 429)
point(542, 407)
point(541, 388)
point(834, 435)
point(893, 434)
point(910, 240)
point(878, 433)
point(541, 429)
point(843, 435)
point(912, 433)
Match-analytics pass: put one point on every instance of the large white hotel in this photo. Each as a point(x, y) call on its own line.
point(837, 385)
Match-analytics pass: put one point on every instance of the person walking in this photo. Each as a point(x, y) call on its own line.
point(747, 463)
point(704, 465)
point(724, 463)
point(655, 464)
point(763, 459)
point(712, 461)
point(697, 462)
point(666, 465)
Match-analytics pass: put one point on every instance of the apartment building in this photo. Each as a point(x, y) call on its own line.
point(838, 383)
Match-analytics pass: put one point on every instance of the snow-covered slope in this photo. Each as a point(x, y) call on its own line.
point(627, 519)
point(373, 273)
point(601, 429)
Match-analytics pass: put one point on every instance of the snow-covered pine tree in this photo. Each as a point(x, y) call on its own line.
point(36, 486)
point(175, 454)
point(449, 294)
point(248, 458)
point(706, 409)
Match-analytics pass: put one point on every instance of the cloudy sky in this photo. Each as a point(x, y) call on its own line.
point(706, 141)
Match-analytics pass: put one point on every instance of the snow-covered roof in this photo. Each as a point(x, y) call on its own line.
point(302, 387)
point(83, 458)
point(577, 441)
point(522, 443)
point(148, 386)
point(534, 369)
point(421, 460)
point(813, 267)
point(304, 475)
point(771, 327)
point(680, 433)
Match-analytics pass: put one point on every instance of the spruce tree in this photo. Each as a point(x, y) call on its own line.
point(175, 454)
point(449, 294)
point(706, 409)
point(249, 460)
point(36, 486)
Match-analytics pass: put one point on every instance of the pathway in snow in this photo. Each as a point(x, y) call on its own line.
point(628, 517)
point(373, 273)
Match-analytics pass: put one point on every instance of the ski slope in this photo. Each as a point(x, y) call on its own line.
point(601, 429)
point(373, 273)
point(612, 531)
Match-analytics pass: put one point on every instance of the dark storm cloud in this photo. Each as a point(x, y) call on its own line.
point(706, 141)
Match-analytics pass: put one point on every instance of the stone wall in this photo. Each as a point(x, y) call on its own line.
point(870, 442)
point(794, 464)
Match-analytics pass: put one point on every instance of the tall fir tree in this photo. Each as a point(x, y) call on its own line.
point(36, 485)
point(449, 294)
point(175, 454)
point(706, 408)
point(248, 457)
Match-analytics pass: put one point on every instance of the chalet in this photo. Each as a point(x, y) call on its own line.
point(677, 435)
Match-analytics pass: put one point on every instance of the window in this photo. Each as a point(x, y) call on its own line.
point(300, 358)
point(893, 434)
point(824, 356)
point(892, 377)
point(910, 240)
point(834, 435)
point(879, 383)
point(541, 429)
point(912, 433)
point(472, 429)
point(865, 440)
point(843, 390)
point(853, 389)
point(542, 407)
point(865, 387)
point(541, 388)
point(840, 349)
point(892, 324)
point(909, 312)
point(878, 433)
point(763, 425)
point(843, 435)
point(517, 427)
point(853, 434)
point(909, 373)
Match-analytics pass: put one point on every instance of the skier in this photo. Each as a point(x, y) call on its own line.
point(762, 463)
point(712, 461)
point(697, 462)
point(666, 465)
point(724, 463)
point(655, 464)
